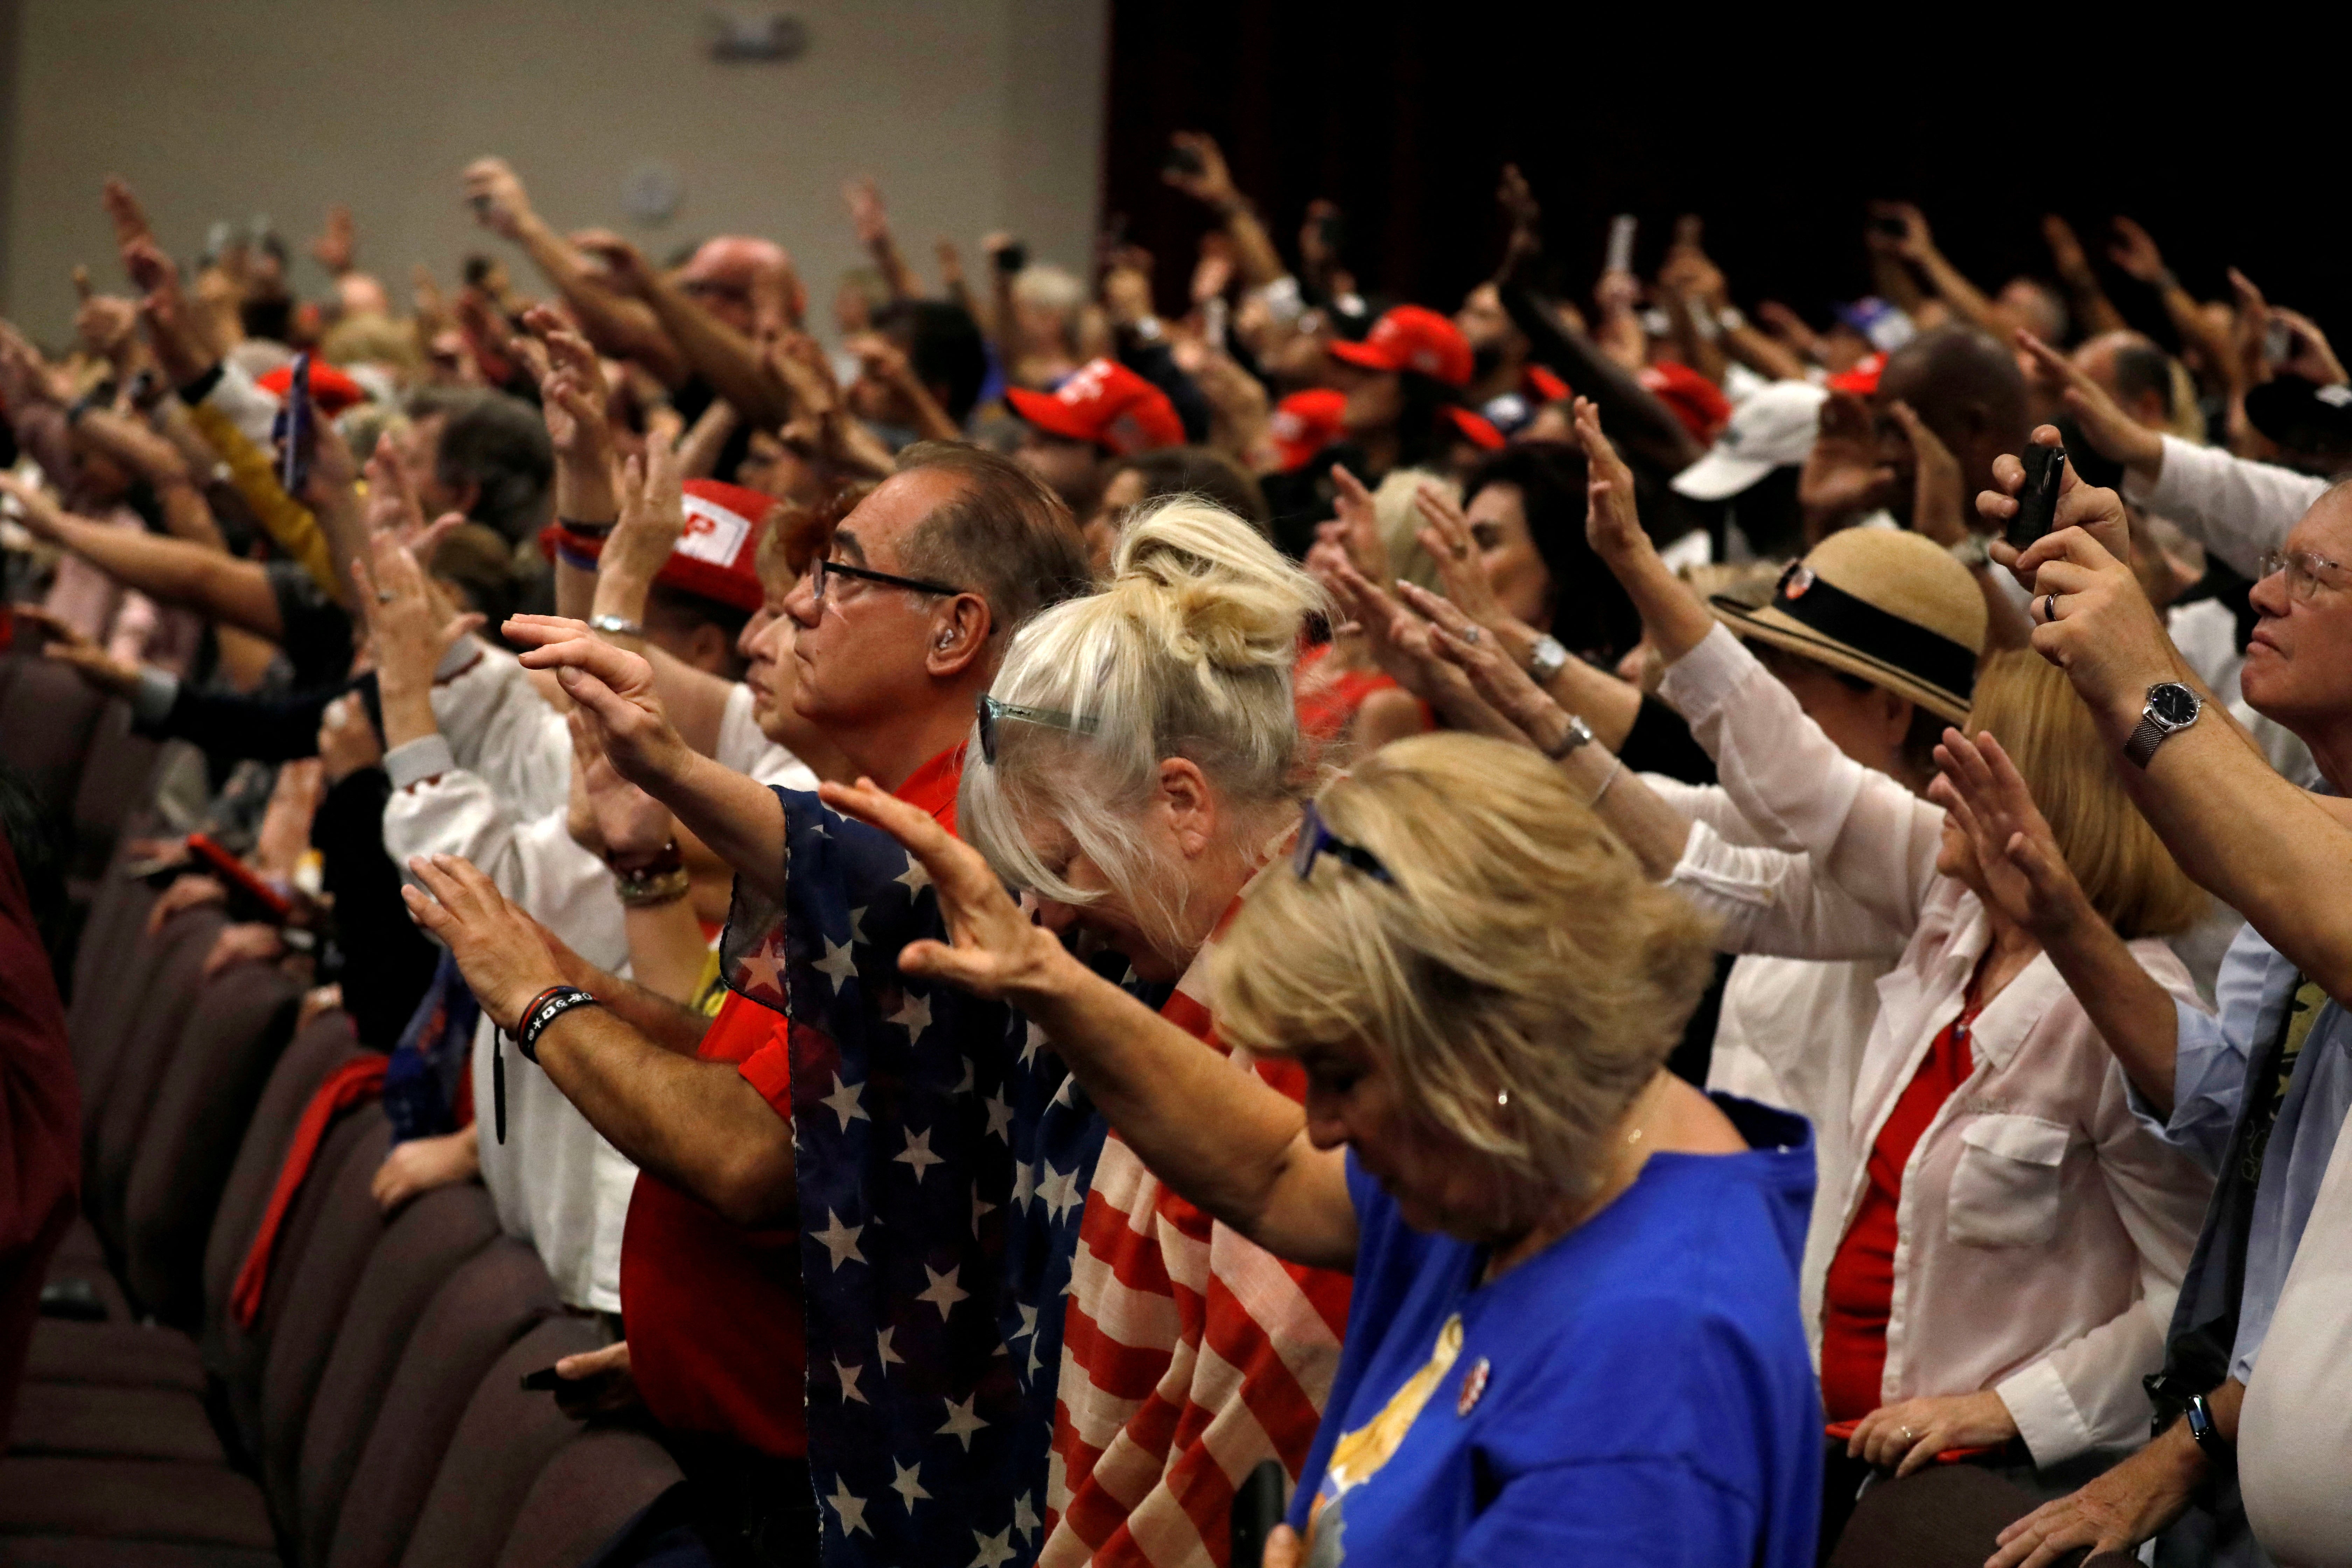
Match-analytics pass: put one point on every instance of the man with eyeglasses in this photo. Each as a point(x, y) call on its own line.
point(2260, 1091)
point(859, 1145)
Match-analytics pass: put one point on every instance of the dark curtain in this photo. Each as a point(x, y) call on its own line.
point(1777, 137)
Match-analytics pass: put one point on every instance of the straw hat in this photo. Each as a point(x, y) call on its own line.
point(1888, 606)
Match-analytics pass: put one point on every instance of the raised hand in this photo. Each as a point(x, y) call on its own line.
point(616, 689)
point(2067, 256)
point(2136, 254)
point(2025, 873)
point(626, 270)
point(409, 630)
point(1360, 520)
point(1446, 534)
point(70, 646)
point(130, 224)
point(2113, 433)
point(337, 249)
point(496, 193)
point(1611, 524)
point(653, 515)
point(1211, 182)
point(2099, 512)
point(573, 392)
point(1842, 474)
point(1518, 200)
point(866, 212)
point(1448, 644)
point(1499, 681)
point(612, 817)
point(496, 946)
point(1937, 507)
point(992, 948)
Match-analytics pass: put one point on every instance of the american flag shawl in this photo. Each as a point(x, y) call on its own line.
point(944, 1158)
point(1191, 1355)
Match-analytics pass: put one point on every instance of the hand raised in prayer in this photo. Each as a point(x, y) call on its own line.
point(992, 948)
point(496, 946)
point(616, 689)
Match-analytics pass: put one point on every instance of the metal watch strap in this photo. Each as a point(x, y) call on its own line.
point(2146, 737)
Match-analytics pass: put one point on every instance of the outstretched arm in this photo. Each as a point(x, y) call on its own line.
point(698, 1125)
point(2253, 840)
point(1222, 1139)
point(216, 586)
point(739, 818)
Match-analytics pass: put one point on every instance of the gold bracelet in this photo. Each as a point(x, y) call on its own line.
point(650, 890)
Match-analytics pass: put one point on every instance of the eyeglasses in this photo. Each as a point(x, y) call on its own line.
point(1314, 839)
point(992, 711)
point(825, 568)
point(2305, 574)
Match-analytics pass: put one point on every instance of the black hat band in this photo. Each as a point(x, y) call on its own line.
point(1821, 607)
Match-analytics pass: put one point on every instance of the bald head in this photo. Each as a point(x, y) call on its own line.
point(725, 274)
point(2134, 372)
point(1967, 388)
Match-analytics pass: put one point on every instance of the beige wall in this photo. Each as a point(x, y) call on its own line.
point(972, 115)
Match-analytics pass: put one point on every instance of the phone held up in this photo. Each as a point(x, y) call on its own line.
point(2037, 501)
point(295, 436)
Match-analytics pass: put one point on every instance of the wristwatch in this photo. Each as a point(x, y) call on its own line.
point(1545, 659)
point(2172, 707)
point(1579, 734)
point(1971, 552)
point(2218, 1450)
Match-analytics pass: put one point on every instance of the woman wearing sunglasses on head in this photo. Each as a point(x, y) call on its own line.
point(1574, 1335)
point(1137, 761)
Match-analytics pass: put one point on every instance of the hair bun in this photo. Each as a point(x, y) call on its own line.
point(1212, 586)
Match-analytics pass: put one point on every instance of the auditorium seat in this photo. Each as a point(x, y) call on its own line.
point(47, 714)
point(595, 1484)
point(497, 1298)
point(426, 1243)
point(241, 1023)
point(1945, 1516)
point(318, 1283)
point(114, 782)
point(114, 1108)
point(116, 922)
point(133, 1500)
point(505, 1439)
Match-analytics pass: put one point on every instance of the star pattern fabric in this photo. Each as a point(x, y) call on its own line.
point(943, 1158)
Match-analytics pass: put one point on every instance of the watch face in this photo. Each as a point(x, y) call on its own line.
point(2172, 702)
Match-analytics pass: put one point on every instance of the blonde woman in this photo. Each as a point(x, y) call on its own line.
point(2013, 1238)
point(1137, 761)
point(1574, 1335)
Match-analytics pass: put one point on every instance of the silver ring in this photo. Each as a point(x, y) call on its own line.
point(2050, 607)
point(1906, 1434)
point(1470, 635)
point(384, 596)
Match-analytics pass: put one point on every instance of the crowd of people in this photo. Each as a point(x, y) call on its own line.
point(1595, 922)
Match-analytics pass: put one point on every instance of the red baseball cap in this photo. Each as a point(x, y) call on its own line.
point(1698, 402)
point(1305, 422)
point(1860, 378)
point(1411, 338)
point(1477, 429)
point(331, 389)
point(1103, 401)
point(1545, 386)
point(716, 550)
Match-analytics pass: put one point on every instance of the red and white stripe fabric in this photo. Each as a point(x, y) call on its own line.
point(1190, 1356)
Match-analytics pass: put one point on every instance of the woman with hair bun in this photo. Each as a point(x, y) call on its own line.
point(1137, 761)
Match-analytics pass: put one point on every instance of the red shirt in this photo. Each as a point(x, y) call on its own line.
point(1858, 1296)
point(1327, 703)
point(713, 1310)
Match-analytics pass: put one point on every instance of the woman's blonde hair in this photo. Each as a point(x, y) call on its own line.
point(2130, 878)
point(1186, 652)
point(1518, 951)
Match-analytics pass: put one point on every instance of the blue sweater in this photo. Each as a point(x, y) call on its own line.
point(1638, 1392)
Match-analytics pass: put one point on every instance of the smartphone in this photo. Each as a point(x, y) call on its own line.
point(2037, 504)
point(1182, 160)
point(1012, 258)
point(544, 1381)
point(1891, 226)
point(1620, 244)
point(481, 205)
point(2278, 342)
point(250, 898)
point(293, 429)
point(1257, 1509)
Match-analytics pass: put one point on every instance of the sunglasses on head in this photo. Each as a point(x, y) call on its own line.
point(991, 712)
point(1315, 838)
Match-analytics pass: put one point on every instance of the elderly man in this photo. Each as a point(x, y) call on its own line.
point(2258, 1093)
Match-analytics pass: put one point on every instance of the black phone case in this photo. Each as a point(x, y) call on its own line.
point(544, 1381)
point(1257, 1509)
point(2037, 504)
